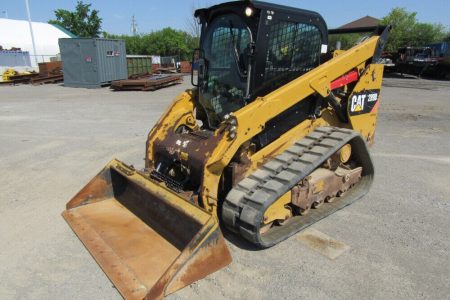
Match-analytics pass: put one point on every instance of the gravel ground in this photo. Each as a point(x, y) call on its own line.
point(54, 139)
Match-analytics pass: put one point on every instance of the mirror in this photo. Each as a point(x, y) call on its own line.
point(197, 70)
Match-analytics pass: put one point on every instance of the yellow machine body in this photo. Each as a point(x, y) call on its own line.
point(152, 238)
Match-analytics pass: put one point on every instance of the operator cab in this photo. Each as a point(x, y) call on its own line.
point(251, 48)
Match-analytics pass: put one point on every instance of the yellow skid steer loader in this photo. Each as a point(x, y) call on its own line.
point(273, 137)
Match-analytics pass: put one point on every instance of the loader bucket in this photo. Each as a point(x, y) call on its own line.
point(148, 240)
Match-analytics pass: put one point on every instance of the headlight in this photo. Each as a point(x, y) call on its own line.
point(249, 11)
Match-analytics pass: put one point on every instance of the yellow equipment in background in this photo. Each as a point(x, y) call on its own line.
point(7, 74)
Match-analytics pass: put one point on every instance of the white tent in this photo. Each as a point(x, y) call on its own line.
point(16, 33)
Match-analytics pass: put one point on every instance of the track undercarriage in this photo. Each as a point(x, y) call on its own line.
point(315, 177)
point(323, 185)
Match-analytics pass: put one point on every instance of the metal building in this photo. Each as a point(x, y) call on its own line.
point(91, 63)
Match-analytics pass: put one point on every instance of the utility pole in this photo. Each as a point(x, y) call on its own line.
point(31, 31)
point(134, 29)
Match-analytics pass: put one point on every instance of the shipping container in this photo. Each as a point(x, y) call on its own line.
point(139, 64)
point(92, 63)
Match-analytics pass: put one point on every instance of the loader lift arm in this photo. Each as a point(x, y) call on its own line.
point(251, 119)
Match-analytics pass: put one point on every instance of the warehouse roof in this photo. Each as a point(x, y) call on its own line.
point(366, 21)
point(16, 33)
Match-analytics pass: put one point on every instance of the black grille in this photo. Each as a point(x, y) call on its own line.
point(293, 49)
point(223, 79)
point(170, 183)
point(221, 47)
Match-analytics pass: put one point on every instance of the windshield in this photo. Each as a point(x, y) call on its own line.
point(226, 50)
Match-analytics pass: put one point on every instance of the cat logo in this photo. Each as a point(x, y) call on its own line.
point(363, 102)
point(357, 103)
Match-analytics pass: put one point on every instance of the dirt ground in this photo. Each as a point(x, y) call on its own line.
point(54, 139)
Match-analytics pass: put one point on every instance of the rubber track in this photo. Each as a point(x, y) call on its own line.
point(244, 206)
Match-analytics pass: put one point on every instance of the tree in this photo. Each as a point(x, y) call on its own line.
point(406, 31)
point(83, 22)
point(447, 38)
point(347, 40)
point(402, 32)
point(426, 33)
point(164, 42)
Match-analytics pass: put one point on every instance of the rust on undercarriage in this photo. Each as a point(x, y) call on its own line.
point(323, 185)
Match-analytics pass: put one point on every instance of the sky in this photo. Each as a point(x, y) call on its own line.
point(152, 15)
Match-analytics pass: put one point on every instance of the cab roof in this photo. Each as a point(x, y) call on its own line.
point(207, 13)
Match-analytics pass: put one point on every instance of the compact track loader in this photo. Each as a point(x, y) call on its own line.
point(273, 138)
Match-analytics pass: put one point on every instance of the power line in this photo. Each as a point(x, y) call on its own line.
point(134, 29)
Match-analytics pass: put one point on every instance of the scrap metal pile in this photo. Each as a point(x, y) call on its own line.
point(49, 72)
point(147, 82)
point(12, 77)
